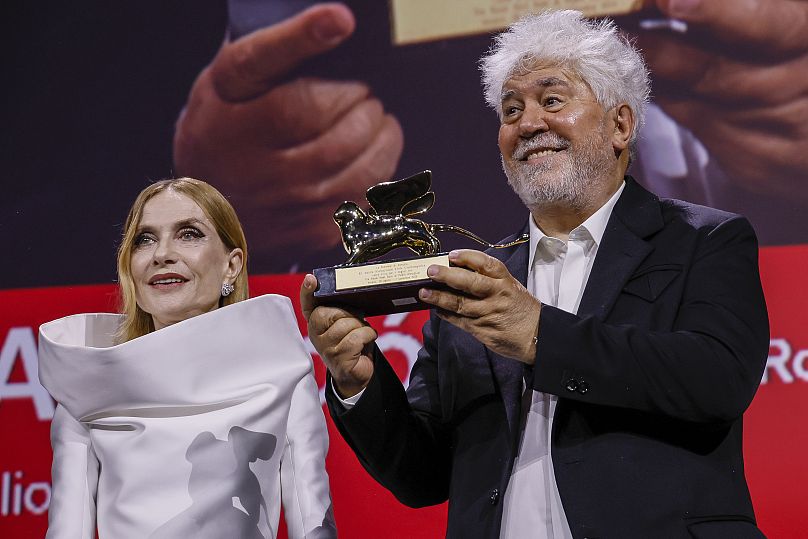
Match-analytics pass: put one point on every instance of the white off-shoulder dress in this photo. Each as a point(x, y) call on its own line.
point(201, 429)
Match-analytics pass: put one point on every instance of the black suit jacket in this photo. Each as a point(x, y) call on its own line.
point(653, 375)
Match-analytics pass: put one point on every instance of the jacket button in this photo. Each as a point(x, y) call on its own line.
point(494, 497)
point(583, 387)
point(572, 385)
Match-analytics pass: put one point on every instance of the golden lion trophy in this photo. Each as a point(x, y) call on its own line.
point(384, 287)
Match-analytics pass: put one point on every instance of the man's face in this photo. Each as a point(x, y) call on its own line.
point(555, 138)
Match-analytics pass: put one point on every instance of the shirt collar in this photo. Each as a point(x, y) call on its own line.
point(595, 225)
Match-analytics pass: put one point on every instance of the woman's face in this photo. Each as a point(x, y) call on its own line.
point(178, 260)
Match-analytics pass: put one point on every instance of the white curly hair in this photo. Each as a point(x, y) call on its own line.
point(593, 50)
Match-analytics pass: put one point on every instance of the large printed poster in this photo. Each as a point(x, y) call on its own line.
point(102, 98)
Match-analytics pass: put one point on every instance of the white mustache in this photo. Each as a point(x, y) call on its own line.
point(550, 141)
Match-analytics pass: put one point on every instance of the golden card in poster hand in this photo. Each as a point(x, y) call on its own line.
point(415, 21)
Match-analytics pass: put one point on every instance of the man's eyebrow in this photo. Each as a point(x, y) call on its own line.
point(551, 81)
point(507, 94)
point(546, 82)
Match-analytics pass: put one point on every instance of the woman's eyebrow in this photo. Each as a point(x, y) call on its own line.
point(193, 221)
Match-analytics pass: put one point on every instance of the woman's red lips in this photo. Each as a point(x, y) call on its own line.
point(167, 278)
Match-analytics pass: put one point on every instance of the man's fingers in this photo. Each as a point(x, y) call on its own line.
point(307, 301)
point(354, 343)
point(479, 262)
point(779, 25)
point(452, 302)
point(344, 342)
point(249, 66)
point(332, 323)
point(340, 326)
point(475, 273)
point(456, 320)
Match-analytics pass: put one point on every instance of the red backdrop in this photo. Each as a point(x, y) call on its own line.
point(776, 437)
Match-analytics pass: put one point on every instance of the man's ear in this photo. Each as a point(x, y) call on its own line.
point(624, 125)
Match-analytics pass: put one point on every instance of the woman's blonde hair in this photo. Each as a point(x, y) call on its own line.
point(138, 322)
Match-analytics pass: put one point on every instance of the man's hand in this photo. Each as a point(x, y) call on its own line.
point(286, 152)
point(487, 302)
point(343, 340)
point(739, 80)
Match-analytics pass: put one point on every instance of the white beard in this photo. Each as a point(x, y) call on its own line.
point(571, 184)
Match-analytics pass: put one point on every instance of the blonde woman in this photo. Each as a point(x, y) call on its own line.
point(193, 413)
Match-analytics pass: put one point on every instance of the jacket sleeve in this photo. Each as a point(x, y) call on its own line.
point(705, 368)
point(400, 437)
point(304, 481)
point(75, 480)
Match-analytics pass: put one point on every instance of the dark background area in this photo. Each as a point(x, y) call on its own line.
point(92, 89)
point(90, 95)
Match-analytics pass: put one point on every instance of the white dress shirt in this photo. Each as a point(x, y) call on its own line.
point(557, 276)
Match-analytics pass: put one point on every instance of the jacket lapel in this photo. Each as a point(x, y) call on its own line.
point(509, 372)
point(636, 216)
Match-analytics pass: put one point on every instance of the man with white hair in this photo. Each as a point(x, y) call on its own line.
point(591, 382)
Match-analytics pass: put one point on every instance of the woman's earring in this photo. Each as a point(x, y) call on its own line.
point(227, 289)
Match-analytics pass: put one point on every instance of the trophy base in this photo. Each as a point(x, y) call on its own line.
point(375, 288)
